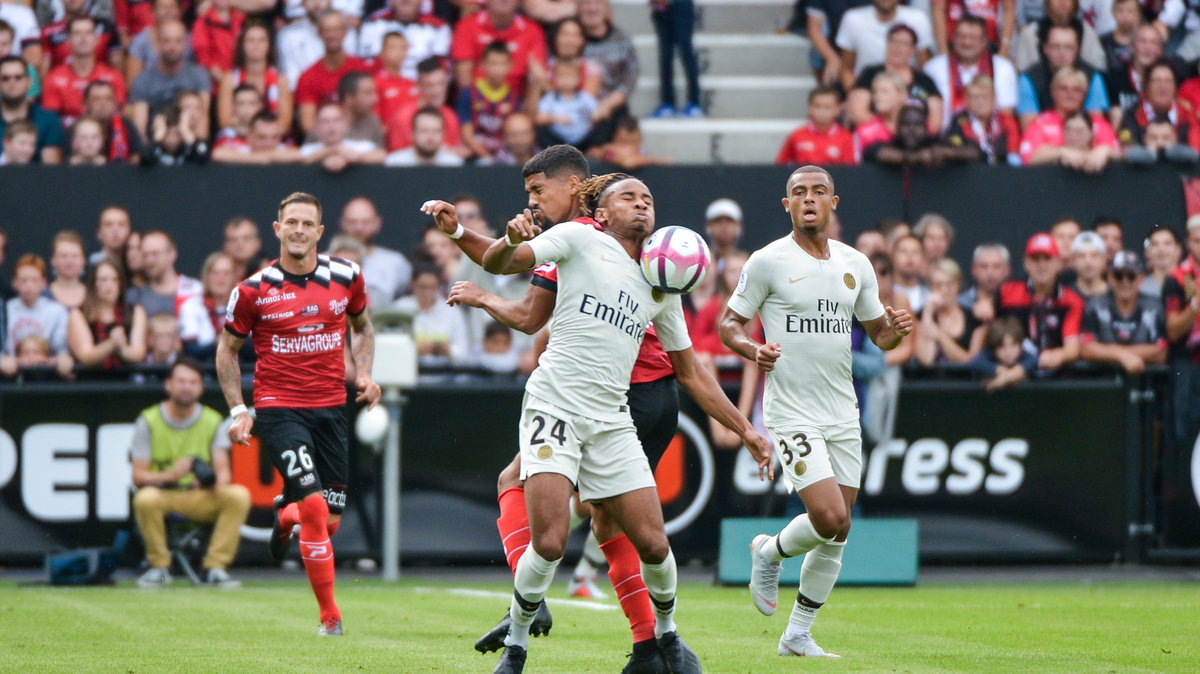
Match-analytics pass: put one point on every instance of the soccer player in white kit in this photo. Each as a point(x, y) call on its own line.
point(575, 426)
point(807, 288)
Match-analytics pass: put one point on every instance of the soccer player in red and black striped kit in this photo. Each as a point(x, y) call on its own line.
point(552, 180)
point(296, 311)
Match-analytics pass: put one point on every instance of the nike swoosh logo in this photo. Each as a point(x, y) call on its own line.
point(793, 280)
point(772, 604)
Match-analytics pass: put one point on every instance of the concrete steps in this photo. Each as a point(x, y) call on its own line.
point(721, 54)
point(734, 96)
point(717, 141)
point(712, 16)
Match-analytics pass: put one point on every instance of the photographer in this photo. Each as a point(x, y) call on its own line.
point(181, 465)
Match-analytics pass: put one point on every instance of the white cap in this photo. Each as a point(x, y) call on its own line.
point(723, 208)
point(1087, 240)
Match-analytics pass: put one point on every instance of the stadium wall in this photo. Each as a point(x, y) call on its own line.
point(1049, 472)
point(984, 203)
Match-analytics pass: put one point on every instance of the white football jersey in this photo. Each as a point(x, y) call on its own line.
point(807, 305)
point(600, 317)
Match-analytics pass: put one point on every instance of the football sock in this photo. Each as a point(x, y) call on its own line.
point(289, 516)
point(533, 577)
point(593, 557)
point(513, 525)
point(317, 553)
point(817, 576)
point(625, 573)
point(660, 582)
point(797, 538)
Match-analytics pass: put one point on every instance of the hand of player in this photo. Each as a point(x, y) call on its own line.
point(465, 292)
point(522, 227)
point(901, 320)
point(368, 391)
point(239, 430)
point(444, 214)
point(766, 355)
point(760, 449)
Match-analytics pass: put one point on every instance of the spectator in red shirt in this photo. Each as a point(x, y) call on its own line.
point(995, 133)
point(1050, 311)
point(887, 98)
point(822, 140)
point(1043, 142)
point(999, 18)
point(63, 89)
point(246, 104)
point(252, 64)
point(214, 38)
point(433, 82)
point(319, 84)
point(499, 21)
point(1160, 101)
point(55, 39)
point(393, 88)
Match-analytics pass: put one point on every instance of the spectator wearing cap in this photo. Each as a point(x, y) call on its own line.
point(723, 224)
point(968, 58)
point(1182, 307)
point(821, 140)
point(1122, 326)
point(1050, 312)
point(1089, 261)
point(990, 268)
point(898, 60)
point(1162, 256)
point(862, 37)
point(1045, 136)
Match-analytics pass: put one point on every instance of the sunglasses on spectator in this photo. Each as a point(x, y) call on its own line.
point(1124, 276)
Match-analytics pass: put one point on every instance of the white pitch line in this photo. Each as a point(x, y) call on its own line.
point(466, 592)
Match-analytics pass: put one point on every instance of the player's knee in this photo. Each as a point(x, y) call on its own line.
point(844, 532)
point(550, 545)
point(314, 510)
point(655, 550)
point(828, 520)
point(509, 477)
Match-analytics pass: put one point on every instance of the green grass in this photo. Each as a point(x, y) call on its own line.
point(417, 626)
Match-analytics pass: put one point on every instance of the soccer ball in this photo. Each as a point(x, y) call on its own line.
point(372, 425)
point(675, 260)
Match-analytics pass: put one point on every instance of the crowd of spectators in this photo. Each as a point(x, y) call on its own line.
point(395, 82)
point(1078, 83)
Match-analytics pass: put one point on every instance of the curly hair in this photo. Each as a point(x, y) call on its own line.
point(591, 190)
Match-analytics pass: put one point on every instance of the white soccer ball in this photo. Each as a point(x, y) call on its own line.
point(372, 425)
point(675, 259)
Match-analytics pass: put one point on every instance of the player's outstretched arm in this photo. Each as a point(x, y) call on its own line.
point(508, 255)
point(887, 330)
point(733, 334)
point(229, 374)
point(471, 243)
point(698, 382)
point(527, 314)
point(362, 347)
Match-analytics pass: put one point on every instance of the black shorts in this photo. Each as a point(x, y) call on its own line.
point(310, 449)
point(654, 406)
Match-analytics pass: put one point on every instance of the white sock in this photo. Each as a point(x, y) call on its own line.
point(534, 576)
point(817, 577)
point(797, 538)
point(593, 557)
point(660, 580)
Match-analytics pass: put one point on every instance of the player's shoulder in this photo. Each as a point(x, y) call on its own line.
point(339, 269)
point(847, 253)
point(270, 275)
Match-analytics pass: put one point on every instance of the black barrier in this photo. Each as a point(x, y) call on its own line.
point(1045, 472)
point(192, 203)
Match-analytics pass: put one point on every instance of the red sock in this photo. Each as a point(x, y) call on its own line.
point(513, 525)
point(317, 553)
point(289, 516)
point(625, 572)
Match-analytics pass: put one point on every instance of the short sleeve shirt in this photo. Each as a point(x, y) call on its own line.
point(808, 306)
point(1103, 322)
point(157, 89)
point(601, 316)
point(298, 326)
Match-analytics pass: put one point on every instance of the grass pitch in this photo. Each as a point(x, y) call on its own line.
point(426, 626)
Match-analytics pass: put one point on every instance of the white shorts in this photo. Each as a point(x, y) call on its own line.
point(601, 458)
point(809, 454)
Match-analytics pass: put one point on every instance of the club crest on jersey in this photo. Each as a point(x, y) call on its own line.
point(310, 310)
point(338, 307)
point(544, 452)
point(849, 280)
